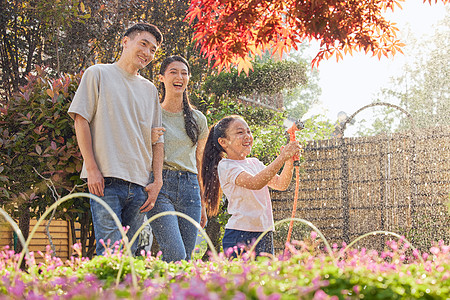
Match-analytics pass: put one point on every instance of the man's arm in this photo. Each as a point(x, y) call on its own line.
point(96, 183)
point(154, 187)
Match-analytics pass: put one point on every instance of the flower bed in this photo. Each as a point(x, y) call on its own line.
point(306, 272)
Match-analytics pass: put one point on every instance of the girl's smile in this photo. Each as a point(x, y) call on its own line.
point(238, 141)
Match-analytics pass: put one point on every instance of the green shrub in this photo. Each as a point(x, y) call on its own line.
point(39, 156)
point(37, 136)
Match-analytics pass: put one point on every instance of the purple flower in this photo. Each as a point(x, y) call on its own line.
point(58, 281)
point(239, 296)
point(18, 289)
point(32, 296)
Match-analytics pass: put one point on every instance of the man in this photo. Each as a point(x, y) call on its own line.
point(114, 110)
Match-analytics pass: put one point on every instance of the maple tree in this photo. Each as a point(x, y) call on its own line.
point(233, 32)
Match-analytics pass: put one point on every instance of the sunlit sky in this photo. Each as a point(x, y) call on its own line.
point(353, 82)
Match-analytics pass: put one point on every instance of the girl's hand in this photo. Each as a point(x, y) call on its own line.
point(290, 150)
point(156, 133)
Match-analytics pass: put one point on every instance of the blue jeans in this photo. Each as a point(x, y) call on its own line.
point(176, 236)
point(239, 238)
point(125, 199)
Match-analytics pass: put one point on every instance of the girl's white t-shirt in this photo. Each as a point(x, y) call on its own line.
point(250, 210)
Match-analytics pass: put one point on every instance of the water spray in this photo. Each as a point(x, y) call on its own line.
point(292, 136)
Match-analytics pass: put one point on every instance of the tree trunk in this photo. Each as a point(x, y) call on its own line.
point(24, 225)
point(213, 231)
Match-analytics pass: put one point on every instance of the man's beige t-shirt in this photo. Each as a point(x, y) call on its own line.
point(121, 110)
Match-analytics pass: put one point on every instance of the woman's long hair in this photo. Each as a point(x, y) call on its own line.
point(212, 155)
point(190, 125)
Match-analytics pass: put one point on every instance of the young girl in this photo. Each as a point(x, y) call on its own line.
point(244, 181)
point(185, 132)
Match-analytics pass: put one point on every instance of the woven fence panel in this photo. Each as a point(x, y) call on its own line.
point(352, 186)
point(59, 232)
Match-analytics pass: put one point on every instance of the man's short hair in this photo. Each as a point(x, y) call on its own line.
point(140, 27)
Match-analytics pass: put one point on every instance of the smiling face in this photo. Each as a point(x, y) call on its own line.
point(139, 50)
point(238, 141)
point(175, 78)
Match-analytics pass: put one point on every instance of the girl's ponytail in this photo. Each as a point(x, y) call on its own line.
point(211, 185)
point(212, 155)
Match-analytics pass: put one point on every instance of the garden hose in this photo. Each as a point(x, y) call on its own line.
point(294, 207)
point(291, 135)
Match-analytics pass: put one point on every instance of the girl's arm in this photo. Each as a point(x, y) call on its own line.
point(263, 178)
point(281, 182)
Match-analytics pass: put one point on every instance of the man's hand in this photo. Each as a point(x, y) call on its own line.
point(96, 182)
point(152, 190)
point(204, 218)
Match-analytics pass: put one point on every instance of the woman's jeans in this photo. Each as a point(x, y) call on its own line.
point(176, 236)
point(125, 199)
point(243, 240)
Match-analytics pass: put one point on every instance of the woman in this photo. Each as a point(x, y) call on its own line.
point(185, 133)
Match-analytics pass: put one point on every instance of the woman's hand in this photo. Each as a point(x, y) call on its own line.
point(156, 133)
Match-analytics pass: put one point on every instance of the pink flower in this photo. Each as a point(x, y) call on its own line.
point(434, 250)
point(393, 245)
point(321, 295)
point(334, 246)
